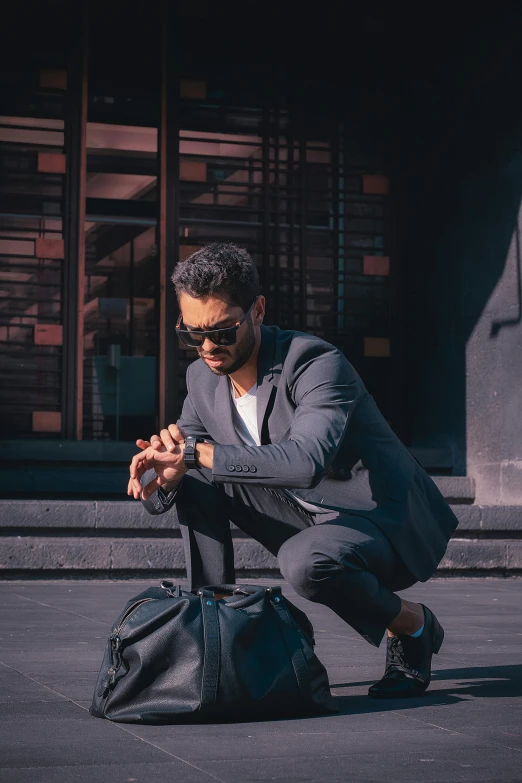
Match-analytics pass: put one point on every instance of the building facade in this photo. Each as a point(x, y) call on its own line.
point(128, 140)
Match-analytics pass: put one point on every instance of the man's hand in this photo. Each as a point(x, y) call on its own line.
point(169, 438)
point(163, 453)
point(173, 436)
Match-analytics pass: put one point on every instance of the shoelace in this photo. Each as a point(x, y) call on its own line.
point(396, 653)
point(396, 660)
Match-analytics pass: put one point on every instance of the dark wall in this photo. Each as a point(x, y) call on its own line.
point(462, 180)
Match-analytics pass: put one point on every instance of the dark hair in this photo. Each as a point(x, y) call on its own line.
point(220, 269)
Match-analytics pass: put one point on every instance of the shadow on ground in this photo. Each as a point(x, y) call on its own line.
point(481, 682)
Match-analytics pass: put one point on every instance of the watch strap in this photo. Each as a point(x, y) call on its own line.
point(190, 457)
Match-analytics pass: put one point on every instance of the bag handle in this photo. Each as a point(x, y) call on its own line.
point(172, 590)
point(237, 596)
point(212, 659)
point(234, 589)
point(292, 641)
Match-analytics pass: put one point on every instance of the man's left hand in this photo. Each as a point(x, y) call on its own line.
point(168, 465)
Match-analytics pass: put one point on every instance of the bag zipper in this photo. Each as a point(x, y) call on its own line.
point(109, 681)
point(128, 613)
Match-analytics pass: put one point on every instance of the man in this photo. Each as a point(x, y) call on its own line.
point(279, 436)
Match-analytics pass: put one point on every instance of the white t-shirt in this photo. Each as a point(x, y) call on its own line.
point(244, 414)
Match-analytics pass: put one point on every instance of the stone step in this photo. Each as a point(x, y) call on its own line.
point(456, 489)
point(120, 538)
point(115, 557)
point(109, 517)
point(130, 515)
point(466, 555)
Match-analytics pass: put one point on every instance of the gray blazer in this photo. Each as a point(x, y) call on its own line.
point(322, 436)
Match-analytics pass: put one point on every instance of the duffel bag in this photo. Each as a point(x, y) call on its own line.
point(224, 652)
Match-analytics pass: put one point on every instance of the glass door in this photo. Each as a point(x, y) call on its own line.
point(120, 334)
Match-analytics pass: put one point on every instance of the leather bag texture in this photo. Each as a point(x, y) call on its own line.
point(225, 652)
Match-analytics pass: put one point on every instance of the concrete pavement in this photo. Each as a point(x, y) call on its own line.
point(468, 727)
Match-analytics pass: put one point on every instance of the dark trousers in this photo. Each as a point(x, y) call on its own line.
point(343, 561)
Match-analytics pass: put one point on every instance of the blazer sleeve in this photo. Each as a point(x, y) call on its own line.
point(325, 390)
point(189, 423)
point(158, 502)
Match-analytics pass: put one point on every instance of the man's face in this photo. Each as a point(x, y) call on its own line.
point(214, 313)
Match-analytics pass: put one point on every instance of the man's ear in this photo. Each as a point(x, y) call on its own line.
point(259, 310)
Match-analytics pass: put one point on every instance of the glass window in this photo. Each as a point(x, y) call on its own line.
point(121, 275)
point(32, 176)
point(120, 330)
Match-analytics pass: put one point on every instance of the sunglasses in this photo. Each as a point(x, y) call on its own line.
point(195, 338)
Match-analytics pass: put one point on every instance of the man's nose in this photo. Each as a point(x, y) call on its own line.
point(207, 345)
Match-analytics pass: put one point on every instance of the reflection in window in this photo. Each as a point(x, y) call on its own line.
point(121, 167)
point(32, 171)
point(120, 334)
point(121, 273)
point(274, 196)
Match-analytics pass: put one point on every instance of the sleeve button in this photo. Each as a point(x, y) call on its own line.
point(253, 469)
point(246, 469)
point(239, 469)
point(231, 468)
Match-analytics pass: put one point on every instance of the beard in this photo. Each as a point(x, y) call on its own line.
point(241, 353)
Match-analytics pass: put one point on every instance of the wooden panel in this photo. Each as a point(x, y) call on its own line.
point(51, 163)
point(377, 347)
point(190, 88)
point(193, 170)
point(48, 334)
point(376, 185)
point(49, 248)
point(186, 250)
point(47, 421)
point(53, 79)
point(376, 265)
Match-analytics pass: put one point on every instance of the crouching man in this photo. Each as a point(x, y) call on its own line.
point(279, 435)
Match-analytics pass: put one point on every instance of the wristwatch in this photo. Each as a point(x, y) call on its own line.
point(189, 455)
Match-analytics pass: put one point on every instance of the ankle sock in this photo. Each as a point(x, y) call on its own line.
point(417, 633)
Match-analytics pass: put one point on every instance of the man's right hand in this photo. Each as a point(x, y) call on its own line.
point(164, 454)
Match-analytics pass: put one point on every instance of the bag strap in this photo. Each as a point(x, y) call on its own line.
point(212, 659)
point(292, 640)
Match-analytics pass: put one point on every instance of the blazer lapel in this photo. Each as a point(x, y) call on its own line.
point(268, 373)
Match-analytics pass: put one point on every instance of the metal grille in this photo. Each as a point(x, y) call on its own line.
point(31, 274)
point(312, 209)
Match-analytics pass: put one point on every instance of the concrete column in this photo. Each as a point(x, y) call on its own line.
point(494, 376)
